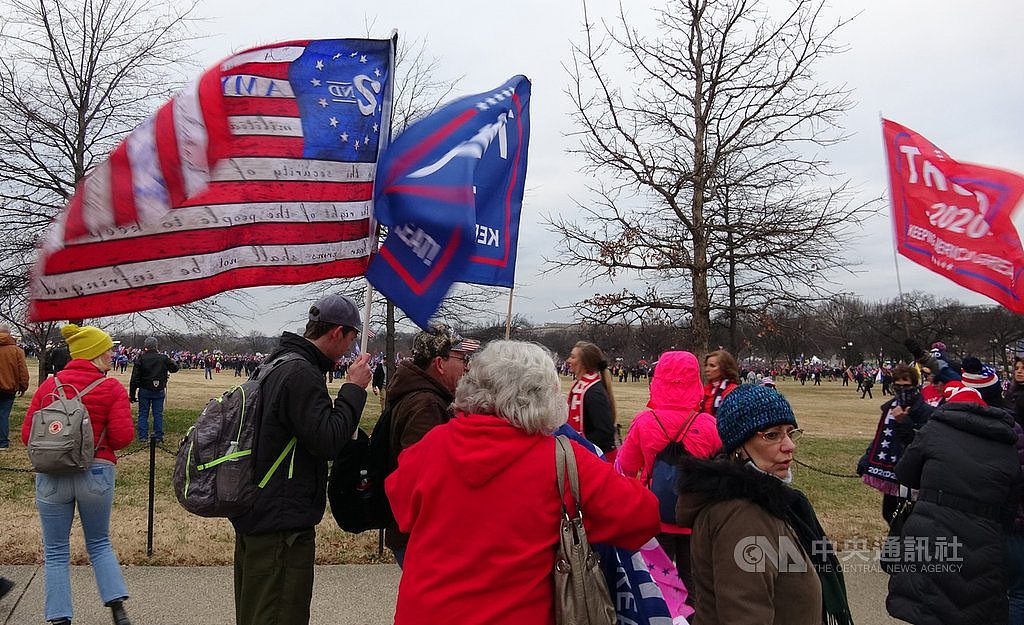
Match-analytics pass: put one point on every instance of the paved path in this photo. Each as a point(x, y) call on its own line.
point(343, 595)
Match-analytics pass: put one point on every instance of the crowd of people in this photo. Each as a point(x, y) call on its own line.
point(473, 436)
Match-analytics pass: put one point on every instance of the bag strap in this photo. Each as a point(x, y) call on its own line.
point(80, 393)
point(685, 426)
point(565, 462)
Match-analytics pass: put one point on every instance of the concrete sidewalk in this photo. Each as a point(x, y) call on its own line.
point(343, 595)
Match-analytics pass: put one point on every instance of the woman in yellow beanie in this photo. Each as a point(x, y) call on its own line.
point(91, 490)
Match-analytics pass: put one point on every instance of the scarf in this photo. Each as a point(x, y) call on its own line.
point(718, 395)
point(835, 605)
point(579, 389)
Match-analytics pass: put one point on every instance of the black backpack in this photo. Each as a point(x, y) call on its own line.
point(355, 488)
point(665, 470)
point(214, 473)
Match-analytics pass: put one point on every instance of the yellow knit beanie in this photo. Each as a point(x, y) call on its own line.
point(87, 342)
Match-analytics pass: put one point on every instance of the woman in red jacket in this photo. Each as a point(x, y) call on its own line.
point(722, 375)
point(91, 490)
point(479, 498)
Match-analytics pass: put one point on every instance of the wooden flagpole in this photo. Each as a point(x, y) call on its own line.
point(508, 317)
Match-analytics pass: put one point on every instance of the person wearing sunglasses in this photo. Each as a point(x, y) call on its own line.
point(758, 553)
point(902, 416)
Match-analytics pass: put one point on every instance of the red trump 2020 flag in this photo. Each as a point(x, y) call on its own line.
point(260, 172)
point(956, 219)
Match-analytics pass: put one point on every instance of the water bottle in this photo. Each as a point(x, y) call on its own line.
point(363, 488)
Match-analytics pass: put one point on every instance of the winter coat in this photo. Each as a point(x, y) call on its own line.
point(419, 403)
point(598, 420)
point(150, 372)
point(13, 370)
point(107, 404)
point(676, 394)
point(296, 403)
point(730, 507)
point(965, 464)
point(480, 502)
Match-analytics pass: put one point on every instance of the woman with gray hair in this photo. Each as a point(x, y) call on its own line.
point(479, 498)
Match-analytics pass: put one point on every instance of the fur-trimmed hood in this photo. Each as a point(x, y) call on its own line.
point(705, 482)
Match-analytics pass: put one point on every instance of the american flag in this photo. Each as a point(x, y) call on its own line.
point(260, 172)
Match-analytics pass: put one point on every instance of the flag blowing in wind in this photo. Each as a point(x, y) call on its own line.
point(260, 172)
point(956, 219)
point(450, 190)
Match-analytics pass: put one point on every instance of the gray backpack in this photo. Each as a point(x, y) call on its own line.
point(213, 470)
point(61, 439)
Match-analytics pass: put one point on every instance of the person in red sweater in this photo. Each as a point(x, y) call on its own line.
point(92, 490)
point(478, 497)
point(722, 375)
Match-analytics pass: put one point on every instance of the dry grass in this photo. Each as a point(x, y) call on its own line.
point(838, 424)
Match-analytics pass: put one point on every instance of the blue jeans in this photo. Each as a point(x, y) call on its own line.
point(1015, 574)
point(151, 401)
point(6, 403)
point(56, 496)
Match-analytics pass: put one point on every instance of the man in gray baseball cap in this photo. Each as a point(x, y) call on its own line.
point(275, 540)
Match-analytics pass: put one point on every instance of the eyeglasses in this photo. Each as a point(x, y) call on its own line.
point(774, 436)
point(465, 361)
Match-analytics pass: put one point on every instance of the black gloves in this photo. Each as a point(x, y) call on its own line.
point(915, 348)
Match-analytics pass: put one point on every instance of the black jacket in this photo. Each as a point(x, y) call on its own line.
point(965, 450)
point(419, 403)
point(150, 372)
point(598, 420)
point(296, 403)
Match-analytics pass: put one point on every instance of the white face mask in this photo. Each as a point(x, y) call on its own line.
point(785, 480)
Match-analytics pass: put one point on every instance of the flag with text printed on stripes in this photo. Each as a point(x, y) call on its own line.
point(260, 172)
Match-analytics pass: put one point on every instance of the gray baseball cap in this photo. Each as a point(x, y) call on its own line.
point(336, 309)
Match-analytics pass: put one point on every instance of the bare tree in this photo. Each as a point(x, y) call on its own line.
point(75, 77)
point(712, 188)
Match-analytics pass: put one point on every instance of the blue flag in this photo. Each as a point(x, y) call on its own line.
point(450, 190)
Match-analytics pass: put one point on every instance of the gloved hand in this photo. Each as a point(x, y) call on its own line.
point(915, 348)
point(132, 400)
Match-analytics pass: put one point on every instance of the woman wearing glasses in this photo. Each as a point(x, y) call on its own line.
point(758, 552)
point(902, 416)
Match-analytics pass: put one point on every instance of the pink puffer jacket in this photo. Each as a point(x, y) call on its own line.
point(676, 393)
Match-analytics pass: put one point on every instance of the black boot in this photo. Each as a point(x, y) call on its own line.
point(61, 621)
point(117, 611)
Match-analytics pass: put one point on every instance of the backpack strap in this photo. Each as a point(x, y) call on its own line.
point(685, 426)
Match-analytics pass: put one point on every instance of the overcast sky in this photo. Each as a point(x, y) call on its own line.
point(949, 69)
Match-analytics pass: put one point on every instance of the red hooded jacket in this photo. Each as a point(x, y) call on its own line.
point(107, 404)
point(479, 498)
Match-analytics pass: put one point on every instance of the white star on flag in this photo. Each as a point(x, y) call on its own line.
point(336, 56)
point(344, 137)
point(320, 64)
point(375, 127)
point(362, 59)
point(376, 72)
point(353, 54)
point(887, 431)
point(334, 122)
point(357, 145)
point(322, 102)
point(881, 455)
point(366, 139)
point(315, 82)
point(885, 443)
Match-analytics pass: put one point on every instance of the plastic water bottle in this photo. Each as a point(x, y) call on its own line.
point(363, 488)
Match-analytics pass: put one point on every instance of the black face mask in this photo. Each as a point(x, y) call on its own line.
point(907, 396)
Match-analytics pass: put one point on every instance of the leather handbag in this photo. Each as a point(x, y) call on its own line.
point(581, 592)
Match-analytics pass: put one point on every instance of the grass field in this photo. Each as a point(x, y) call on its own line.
point(837, 422)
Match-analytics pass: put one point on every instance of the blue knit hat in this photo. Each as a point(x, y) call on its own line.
point(748, 409)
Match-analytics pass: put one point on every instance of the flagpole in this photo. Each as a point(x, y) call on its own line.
point(508, 317)
point(365, 338)
point(892, 231)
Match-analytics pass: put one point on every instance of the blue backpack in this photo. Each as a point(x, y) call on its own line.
point(666, 468)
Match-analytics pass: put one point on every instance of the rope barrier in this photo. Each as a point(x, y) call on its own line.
point(119, 457)
point(824, 472)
